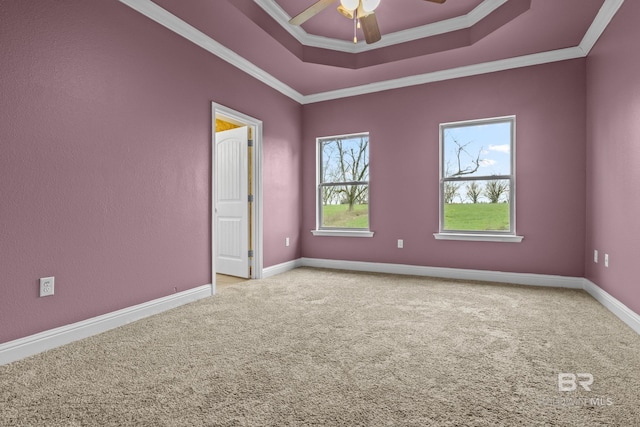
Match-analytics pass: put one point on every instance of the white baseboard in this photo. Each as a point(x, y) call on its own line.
point(281, 268)
point(47, 340)
point(623, 312)
point(33, 344)
point(448, 273)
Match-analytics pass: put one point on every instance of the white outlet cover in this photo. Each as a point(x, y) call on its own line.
point(47, 286)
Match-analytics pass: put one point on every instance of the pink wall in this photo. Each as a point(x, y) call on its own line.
point(549, 102)
point(613, 157)
point(105, 161)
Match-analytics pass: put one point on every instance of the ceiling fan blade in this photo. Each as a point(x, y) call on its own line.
point(436, 1)
point(370, 28)
point(310, 12)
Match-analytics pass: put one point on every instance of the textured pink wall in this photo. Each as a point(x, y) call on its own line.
point(613, 157)
point(105, 161)
point(549, 102)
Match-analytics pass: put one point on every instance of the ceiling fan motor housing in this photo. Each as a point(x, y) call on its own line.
point(359, 10)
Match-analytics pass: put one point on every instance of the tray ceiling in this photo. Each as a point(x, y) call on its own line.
point(421, 41)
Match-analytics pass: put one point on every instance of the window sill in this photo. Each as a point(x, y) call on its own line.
point(478, 237)
point(343, 233)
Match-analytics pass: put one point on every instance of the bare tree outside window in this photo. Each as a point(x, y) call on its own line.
point(473, 191)
point(450, 191)
point(466, 163)
point(477, 176)
point(495, 189)
point(344, 182)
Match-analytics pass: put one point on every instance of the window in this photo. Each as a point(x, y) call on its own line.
point(343, 186)
point(477, 180)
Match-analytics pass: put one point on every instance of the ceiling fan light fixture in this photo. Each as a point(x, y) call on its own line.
point(350, 4)
point(360, 11)
point(370, 5)
point(346, 12)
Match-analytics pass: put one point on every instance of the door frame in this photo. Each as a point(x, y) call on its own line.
point(256, 224)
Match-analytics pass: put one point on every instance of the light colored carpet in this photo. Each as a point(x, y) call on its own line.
point(326, 348)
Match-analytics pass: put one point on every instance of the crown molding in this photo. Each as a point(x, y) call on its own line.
point(441, 27)
point(599, 24)
point(175, 24)
point(151, 10)
point(453, 73)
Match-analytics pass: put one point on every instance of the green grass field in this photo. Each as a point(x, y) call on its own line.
point(476, 217)
point(458, 216)
point(339, 216)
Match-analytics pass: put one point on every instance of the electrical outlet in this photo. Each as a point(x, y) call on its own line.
point(606, 260)
point(286, 242)
point(47, 286)
point(400, 243)
point(595, 255)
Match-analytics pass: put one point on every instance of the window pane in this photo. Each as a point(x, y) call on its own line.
point(477, 149)
point(345, 206)
point(345, 159)
point(481, 205)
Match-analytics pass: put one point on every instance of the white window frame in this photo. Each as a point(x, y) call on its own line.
point(338, 231)
point(475, 235)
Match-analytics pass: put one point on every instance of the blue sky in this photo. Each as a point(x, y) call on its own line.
point(491, 141)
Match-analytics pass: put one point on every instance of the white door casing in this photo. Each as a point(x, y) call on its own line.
point(231, 204)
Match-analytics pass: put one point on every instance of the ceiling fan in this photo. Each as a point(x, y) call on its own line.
point(361, 11)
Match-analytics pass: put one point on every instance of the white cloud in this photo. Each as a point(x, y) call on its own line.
point(487, 162)
point(504, 148)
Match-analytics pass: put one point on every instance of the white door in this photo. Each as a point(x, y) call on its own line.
point(231, 204)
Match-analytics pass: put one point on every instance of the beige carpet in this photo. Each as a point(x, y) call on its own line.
point(326, 348)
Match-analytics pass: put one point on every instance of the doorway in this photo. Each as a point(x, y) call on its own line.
point(236, 194)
